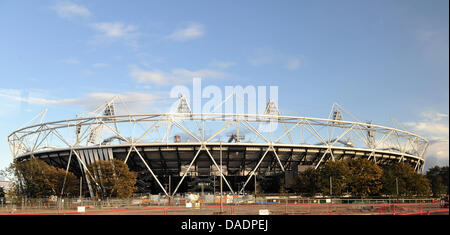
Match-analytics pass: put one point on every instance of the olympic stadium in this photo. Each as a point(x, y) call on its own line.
point(181, 151)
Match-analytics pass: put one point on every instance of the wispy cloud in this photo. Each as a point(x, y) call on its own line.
point(114, 29)
point(100, 65)
point(175, 76)
point(70, 60)
point(434, 126)
point(261, 59)
point(292, 64)
point(109, 32)
point(267, 56)
point(434, 116)
point(435, 46)
point(68, 10)
point(106, 31)
point(34, 97)
point(130, 102)
point(222, 64)
point(191, 31)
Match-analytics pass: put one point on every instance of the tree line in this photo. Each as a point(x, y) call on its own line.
point(35, 178)
point(363, 178)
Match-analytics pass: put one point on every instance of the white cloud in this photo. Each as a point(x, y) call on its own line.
point(109, 32)
point(114, 29)
point(434, 116)
point(433, 124)
point(68, 10)
point(192, 31)
point(439, 148)
point(175, 76)
point(429, 128)
point(435, 127)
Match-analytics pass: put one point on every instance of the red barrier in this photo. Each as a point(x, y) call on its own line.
point(90, 212)
point(425, 212)
point(287, 209)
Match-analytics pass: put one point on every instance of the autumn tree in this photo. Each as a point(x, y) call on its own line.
point(64, 182)
point(335, 177)
point(35, 178)
point(366, 177)
point(112, 179)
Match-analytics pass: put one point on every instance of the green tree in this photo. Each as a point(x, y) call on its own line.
point(112, 179)
point(421, 185)
point(366, 177)
point(336, 174)
point(403, 178)
point(438, 178)
point(444, 175)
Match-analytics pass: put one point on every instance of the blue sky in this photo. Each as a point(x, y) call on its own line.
point(378, 59)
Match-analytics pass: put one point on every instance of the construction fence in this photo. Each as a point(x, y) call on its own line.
point(230, 205)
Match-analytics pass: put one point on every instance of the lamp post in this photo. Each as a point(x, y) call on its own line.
point(331, 187)
point(396, 184)
point(255, 188)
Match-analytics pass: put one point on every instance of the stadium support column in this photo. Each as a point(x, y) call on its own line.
point(254, 170)
point(150, 170)
point(186, 172)
point(255, 187)
point(217, 167)
point(83, 175)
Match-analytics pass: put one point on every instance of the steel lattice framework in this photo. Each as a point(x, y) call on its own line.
point(183, 143)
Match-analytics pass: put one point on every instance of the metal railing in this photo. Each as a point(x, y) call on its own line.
point(241, 205)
